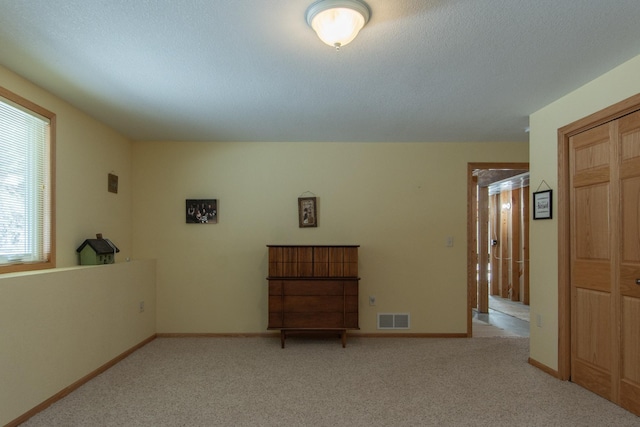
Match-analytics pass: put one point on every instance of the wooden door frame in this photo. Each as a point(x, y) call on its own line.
point(471, 230)
point(608, 114)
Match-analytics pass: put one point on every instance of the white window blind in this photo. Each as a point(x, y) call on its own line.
point(24, 185)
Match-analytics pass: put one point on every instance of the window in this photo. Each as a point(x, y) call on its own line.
point(27, 144)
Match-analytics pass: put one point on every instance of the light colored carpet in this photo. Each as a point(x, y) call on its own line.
point(315, 382)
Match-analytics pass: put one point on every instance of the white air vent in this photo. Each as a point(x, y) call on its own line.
point(393, 320)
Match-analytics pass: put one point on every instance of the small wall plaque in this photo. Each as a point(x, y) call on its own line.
point(307, 212)
point(542, 204)
point(113, 183)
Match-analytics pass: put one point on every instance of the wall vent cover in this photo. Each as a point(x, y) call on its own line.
point(393, 320)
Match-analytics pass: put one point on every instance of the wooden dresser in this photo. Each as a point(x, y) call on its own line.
point(313, 288)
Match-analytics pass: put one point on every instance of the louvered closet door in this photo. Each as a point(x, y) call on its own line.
point(605, 260)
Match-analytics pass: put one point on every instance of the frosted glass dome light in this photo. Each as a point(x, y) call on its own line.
point(337, 22)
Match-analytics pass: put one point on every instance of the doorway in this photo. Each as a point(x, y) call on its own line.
point(497, 249)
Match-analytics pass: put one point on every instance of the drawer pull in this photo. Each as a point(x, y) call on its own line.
point(637, 281)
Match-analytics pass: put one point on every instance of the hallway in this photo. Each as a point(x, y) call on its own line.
point(505, 318)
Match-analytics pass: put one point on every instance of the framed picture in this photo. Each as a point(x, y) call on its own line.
point(112, 185)
point(201, 211)
point(307, 213)
point(542, 204)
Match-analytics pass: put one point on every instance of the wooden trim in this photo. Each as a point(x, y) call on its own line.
point(471, 282)
point(615, 221)
point(483, 255)
point(52, 182)
point(67, 390)
point(277, 335)
point(613, 112)
point(28, 266)
point(313, 246)
point(516, 244)
point(494, 221)
point(504, 244)
point(544, 368)
point(564, 260)
point(14, 97)
point(408, 335)
point(605, 115)
point(475, 255)
point(51, 262)
point(218, 335)
point(525, 251)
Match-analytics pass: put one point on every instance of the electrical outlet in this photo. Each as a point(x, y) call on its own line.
point(372, 300)
point(141, 306)
point(538, 320)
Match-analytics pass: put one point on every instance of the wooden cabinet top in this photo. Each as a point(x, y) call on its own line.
point(313, 246)
point(313, 261)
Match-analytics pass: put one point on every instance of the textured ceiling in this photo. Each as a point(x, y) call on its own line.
point(252, 70)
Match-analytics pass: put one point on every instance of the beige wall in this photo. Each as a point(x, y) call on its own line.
point(86, 152)
point(59, 325)
point(612, 87)
point(399, 201)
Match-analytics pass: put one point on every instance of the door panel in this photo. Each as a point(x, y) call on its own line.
point(592, 355)
point(594, 275)
point(598, 381)
point(592, 222)
point(592, 308)
point(630, 366)
point(631, 219)
point(592, 326)
point(629, 136)
point(591, 149)
point(630, 346)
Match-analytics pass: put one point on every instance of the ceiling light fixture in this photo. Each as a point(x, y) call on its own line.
point(337, 22)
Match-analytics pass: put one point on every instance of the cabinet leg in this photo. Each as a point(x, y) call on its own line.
point(344, 339)
point(282, 338)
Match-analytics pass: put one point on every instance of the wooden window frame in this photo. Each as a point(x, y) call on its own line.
point(50, 262)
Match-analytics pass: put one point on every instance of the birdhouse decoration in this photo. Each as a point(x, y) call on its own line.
point(97, 251)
